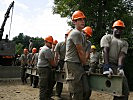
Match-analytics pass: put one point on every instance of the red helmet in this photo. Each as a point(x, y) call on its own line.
point(77, 15)
point(49, 39)
point(34, 50)
point(88, 30)
point(55, 42)
point(118, 23)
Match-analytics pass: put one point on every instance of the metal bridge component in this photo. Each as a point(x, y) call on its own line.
point(10, 72)
point(29, 71)
point(60, 76)
point(101, 83)
point(97, 82)
point(34, 72)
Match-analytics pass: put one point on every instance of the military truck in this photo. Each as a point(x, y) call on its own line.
point(7, 47)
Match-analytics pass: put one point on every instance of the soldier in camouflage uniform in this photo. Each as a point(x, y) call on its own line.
point(60, 51)
point(114, 50)
point(30, 65)
point(88, 34)
point(34, 64)
point(44, 65)
point(53, 70)
point(24, 65)
point(94, 60)
point(75, 58)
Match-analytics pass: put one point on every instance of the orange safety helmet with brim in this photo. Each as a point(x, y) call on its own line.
point(77, 15)
point(49, 39)
point(34, 50)
point(118, 23)
point(55, 42)
point(88, 31)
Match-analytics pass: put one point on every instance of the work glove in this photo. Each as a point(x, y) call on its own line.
point(89, 71)
point(59, 70)
point(120, 70)
point(107, 70)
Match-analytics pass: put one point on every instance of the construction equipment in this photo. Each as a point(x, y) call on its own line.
point(7, 47)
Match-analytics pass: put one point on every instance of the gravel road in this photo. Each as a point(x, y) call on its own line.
point(14, 90)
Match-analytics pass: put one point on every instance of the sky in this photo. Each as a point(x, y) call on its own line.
point(33, 18)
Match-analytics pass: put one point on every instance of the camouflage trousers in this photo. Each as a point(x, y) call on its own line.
point(78, 85)
point(45, 84)
point(59, 85)
point(125, 89)
point(23, 74)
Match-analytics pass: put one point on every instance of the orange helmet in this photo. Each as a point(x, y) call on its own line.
point(34, 50)
point(78, 14)
point(49, 39)
point(88, 30)
point(68, 32)
point(118, 23)
point(25, 50)
point(55, 42)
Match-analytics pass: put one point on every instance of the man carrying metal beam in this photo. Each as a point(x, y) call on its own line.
point(75, 59)
point(114, 50)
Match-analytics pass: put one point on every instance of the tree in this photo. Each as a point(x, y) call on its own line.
point(22, 41)
point(100, 14)
point(19, 48)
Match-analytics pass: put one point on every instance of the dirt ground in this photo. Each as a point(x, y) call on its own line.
point(14, 90)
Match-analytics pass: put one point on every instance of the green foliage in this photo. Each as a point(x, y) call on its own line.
point(22, 41)
point(19, 48)
point(100, 14)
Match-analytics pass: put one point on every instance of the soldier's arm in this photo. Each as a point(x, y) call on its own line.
point(122, 54)
point(52, 62)
point(56, 57)
point(121, 58)
point(87, 55)
point(81, 53)
point(106, 55)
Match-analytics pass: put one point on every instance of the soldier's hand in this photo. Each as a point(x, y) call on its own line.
point(88, 73)
point(120, 72)
point(107, 69)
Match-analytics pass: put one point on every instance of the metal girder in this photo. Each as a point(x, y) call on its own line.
point(101, 83)
point(60, 76)
point(34, 72)
point(97, 82)
point(29, 71)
